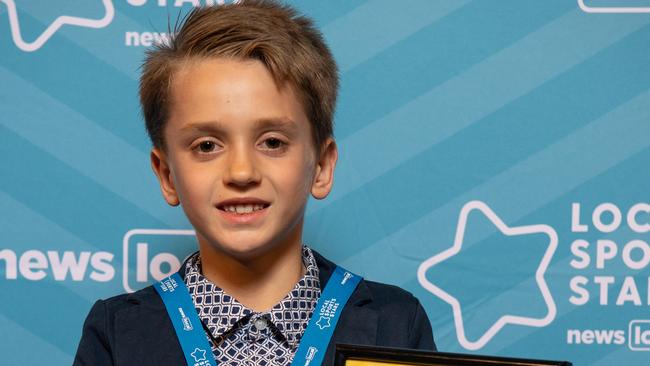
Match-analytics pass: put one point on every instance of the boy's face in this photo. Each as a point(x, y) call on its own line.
point(239, 157)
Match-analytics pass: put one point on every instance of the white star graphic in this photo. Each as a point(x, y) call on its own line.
point(17, 37)
point(196, 356)
point(323, 322)
point(455, 249)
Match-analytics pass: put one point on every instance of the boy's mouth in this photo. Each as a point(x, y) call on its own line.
point(242, 206)
point(242, 209)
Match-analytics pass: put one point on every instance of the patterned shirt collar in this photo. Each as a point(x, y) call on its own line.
point(222, 313)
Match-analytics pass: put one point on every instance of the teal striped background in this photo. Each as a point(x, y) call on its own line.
point(526, 105)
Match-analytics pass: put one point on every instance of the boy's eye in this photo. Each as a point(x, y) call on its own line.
point(273, 143)
point(206, 146)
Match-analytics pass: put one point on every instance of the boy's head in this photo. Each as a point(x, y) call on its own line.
point(286, 43)
point(239, 109)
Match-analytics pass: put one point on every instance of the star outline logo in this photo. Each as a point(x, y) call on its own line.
point(456, 248)
point(196, 352)
point(323, 322)
point(59, 22)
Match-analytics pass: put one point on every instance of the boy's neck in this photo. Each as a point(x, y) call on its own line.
point(257, 283)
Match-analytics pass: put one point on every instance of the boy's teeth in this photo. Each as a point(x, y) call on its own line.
point(242, 209)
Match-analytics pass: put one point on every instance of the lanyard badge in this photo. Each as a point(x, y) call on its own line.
point(187, 324)
point(313, 345)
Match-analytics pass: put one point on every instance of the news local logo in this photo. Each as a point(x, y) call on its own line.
point(148, 255)
point(638, 336)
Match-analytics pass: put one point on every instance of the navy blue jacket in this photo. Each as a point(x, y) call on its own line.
point(134, 329)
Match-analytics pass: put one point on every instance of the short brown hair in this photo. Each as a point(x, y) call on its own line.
point(287, 43)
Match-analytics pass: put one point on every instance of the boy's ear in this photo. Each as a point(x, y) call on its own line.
point(160, 166)
point(324, 174)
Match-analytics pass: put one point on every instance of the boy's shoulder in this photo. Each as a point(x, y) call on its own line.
point(128, 329)
point(384, 294)
point(145, 296)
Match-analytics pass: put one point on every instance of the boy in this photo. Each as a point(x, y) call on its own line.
point(239, 108)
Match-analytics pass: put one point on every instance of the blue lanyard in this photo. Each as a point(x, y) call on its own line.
point(313, 345)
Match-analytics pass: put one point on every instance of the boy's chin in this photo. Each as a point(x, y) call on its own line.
point(245, 250)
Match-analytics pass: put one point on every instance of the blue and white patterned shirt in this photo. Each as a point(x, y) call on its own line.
point(246, 337)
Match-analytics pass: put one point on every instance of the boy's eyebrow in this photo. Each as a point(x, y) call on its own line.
point(283, 123)
point(206, 126)
point(260, 124)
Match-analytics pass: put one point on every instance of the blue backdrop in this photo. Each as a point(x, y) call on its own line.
point(494, 161)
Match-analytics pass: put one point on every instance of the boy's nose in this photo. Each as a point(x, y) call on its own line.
point(241, 169)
